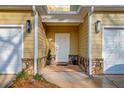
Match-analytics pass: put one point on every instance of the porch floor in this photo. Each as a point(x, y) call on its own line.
point(62, 68)
point(71, 76)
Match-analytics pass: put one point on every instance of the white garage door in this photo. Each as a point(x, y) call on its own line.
point(10, 50)
point(113, 45)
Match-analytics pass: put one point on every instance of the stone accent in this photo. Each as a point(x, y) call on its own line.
point(84, 64)
point(97, 65)
point(28, 65)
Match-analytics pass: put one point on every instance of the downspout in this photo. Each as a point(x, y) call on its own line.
point(91, 10)
point(35, 38)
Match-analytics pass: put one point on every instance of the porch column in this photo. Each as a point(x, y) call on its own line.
point(35, 39)
point(90, 38)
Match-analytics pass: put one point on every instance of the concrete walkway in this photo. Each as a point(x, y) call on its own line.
point(5, 80)
point(73, 77)
point(117, 80)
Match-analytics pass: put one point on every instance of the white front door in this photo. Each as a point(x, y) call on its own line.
point(10, 50)
point(62, 43)
point(113, 45)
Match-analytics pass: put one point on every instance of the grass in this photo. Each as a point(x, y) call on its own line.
point(22, 76)
point(39, 77)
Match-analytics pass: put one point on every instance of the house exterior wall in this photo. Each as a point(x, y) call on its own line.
point(73, 30)
point(107, 19)
point(19, 18)
point(83, 44)
point(11, 17)
point(42, 45)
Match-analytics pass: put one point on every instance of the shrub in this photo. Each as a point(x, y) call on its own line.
point(39, 77)
point(22, 75)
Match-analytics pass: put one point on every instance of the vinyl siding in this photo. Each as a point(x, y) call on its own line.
point(42, 45)
point(83, 38)
point(42, 41)
point(107, 19)
point(19, 18)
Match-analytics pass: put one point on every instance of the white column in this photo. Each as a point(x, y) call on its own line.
point(35, 39)
point(90, 38)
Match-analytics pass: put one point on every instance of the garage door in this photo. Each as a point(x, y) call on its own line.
point(10, 50)
point(113, 45)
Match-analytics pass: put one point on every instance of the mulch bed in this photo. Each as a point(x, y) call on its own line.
point(32, 84)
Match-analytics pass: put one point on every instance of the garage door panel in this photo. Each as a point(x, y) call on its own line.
point(11, 68)
point(122, 45)
point(113, 51)
point(111, 56)
point(15, 38)
point(9, 65)
point(121, 33)
point(10, 53)
point(11, 50)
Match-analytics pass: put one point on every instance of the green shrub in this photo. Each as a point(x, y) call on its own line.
point(39, 77)
point(22, 75)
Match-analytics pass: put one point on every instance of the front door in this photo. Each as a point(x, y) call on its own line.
point(62, 43)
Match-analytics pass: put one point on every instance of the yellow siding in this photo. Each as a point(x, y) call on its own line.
point(107, 19)
point(83, 39)
point(19, 18)
point(42, 41)
point(42, 46)
point(73, 30)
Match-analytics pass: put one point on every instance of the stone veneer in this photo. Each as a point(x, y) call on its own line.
point(97, 65)
point(28, 65)
point(84, 64)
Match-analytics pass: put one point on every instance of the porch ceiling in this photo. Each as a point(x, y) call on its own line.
point(75, 18)
point(62, 17)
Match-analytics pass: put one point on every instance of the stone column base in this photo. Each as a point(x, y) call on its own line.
point(97, 65)
point(28, 65)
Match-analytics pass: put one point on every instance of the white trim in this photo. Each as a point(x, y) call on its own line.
point(113, 26)
point(22, 27)
point(22, 32)
point(35, 39)
point(103, 47)
point(68, 42)
point(11, 25)
point(103, 29)
point(90, 39)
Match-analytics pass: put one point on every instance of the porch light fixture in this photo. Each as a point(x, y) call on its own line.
point(28, 26)
point(98, 26)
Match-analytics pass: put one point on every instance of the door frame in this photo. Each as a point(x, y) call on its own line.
point(103, 29)
point(22, 32)
point(68, 45)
